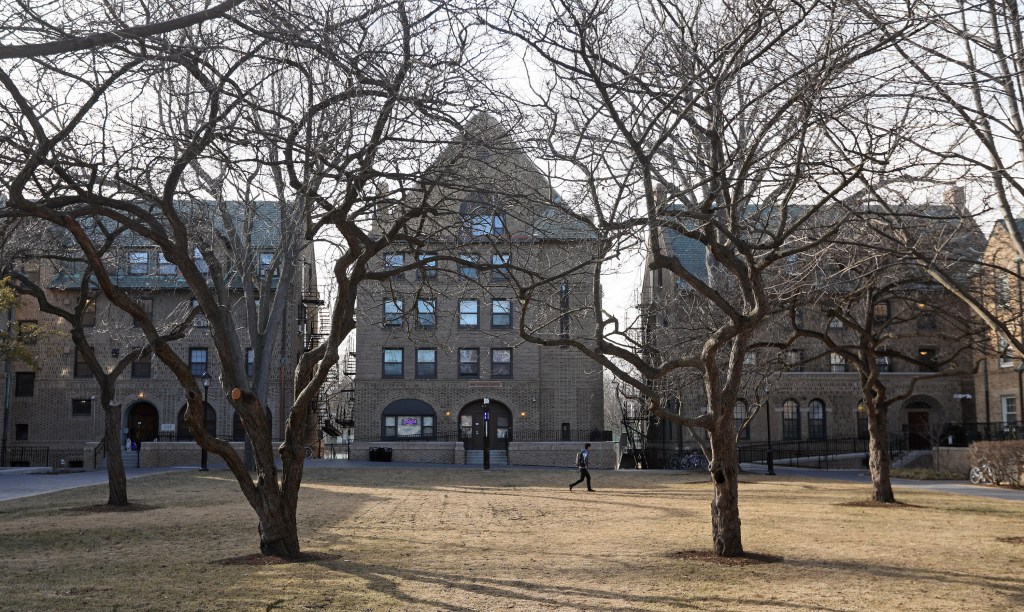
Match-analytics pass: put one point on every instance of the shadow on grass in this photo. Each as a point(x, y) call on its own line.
point(393, 582)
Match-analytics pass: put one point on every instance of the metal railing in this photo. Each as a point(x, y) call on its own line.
point(819, 453)
point(963, 434)
point(44, 456)
point(513, 435)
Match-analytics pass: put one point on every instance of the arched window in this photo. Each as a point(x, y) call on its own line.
point(816, 420)
point(790, 420)
point(862, 421)
point(739, 415)
point(407, 419)
point(209, 421)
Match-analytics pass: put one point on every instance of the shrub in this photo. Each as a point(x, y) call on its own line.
point(1005, 459)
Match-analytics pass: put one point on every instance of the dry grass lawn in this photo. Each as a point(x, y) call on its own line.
point(463, 539)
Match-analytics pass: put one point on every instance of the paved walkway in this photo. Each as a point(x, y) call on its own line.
point(25, 482)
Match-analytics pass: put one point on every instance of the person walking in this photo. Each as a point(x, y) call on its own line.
point(582, 464)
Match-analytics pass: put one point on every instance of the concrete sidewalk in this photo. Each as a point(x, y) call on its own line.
point(960, 487)
point(25, 482)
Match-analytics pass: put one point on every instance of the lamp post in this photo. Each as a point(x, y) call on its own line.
point(206, 394)
point(768, 419)
point(487, 435)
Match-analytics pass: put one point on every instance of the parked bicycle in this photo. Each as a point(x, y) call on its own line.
point(688, 460)
point(983, 474)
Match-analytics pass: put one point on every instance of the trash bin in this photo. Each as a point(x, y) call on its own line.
point(386, 454)
point(375, 453)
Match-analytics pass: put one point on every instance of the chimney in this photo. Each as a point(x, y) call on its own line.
point(955, 197)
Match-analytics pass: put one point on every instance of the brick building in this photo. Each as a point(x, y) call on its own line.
point(54, 415)
point(809, 394)
point(441, 364)
point(999, 380)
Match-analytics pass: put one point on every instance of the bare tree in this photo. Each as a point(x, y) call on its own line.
point(871, 309)
point(728, 126)
point(289, 121)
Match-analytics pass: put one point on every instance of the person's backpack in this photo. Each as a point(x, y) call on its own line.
point(580, 460)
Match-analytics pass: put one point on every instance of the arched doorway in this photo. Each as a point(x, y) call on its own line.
point(918, 426)
point(473, 427)
point(209, 422)
point(143, 423)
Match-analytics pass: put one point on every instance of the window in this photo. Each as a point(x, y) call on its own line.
point(1002, 292)
point(427, 269)
point(89, 313)
point(835, 323)
point(28, 331)
point(408, 426)
point(882, 312)
point(200, 261)
point(197, 361)
point(426, 313)
point(929, 359)
point(838, 362)
point(487, 224)
point(884, 363)
point(426, 363)
point(798, 318)
point(394, 361)
point(501, 363)
point(250, 362)
point(21, 431)
point(266, 260)
point(394, 261)
point(146, 304)
point(469, 362)
point(563, 306)
point(142, 367)
point(795, 360)
point(164, 267)
point(790, 420)
point(138, 263)
point(201, 320)
point(81, 407)
point(862, 422)
point(501, 313)
point(469, 314)
point(1009, 406)
point(816, 420)
point(925, 318)
point(31, 271)
point(750, 358)
point(1005, 358)
point(467, 268)
point(81, 366)
point(24, 384)
point(500, 274)
point(739, 415)
point(393, 313)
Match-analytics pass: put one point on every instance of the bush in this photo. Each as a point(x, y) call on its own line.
point(1005, 459)
point(926, 474)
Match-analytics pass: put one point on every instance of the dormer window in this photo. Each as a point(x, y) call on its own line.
point(491, 223)
point(138, 263)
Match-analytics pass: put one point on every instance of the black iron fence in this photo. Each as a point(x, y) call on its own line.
point(511, 434)
point(962, 434)
point(44, 456)
point(817, 452)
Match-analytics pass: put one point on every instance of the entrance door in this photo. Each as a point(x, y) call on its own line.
point(918, 430)
point(472, 425)
point(143, 422)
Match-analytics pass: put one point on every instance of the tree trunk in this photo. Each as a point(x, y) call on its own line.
point(117, 482)
point(725, 509)
point(879, 459)
point(279, 534)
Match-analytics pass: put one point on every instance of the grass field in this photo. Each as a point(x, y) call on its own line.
point(463, 539)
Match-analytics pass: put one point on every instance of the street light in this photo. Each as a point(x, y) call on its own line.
point(487, 435)
point(206, 394)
